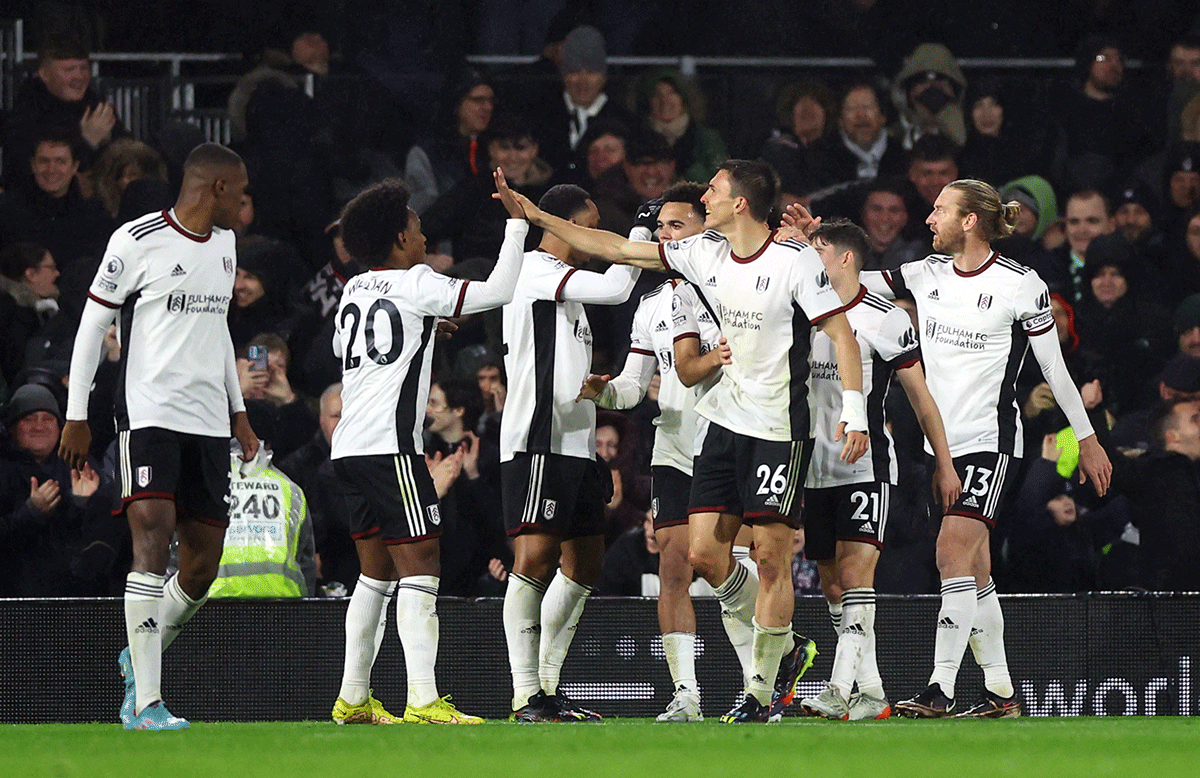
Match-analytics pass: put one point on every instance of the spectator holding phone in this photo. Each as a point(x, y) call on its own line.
point(284, 418)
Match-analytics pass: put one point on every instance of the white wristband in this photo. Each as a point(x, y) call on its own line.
point(854, 411)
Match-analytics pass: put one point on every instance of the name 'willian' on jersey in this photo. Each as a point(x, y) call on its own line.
point(768, 303)
point(172, 290)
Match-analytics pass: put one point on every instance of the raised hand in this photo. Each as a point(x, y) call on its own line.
point(45, 498)
point(592, 386)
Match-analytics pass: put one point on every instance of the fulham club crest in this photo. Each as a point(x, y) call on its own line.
point(763, 283)
point(228, 265)
point(144, 473)
point(985, 302)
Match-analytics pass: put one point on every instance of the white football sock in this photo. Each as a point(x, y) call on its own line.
point(417, 622)
point(175, 610)
point(770, 644)
point(858, 625)
point(522, 631)
point(362, 622)
point(954, 622)
point(143, 599)
point(680, 648)
point(741, 555)
point(561, 608)
point(987, 642)
point(737, 595)
point(835, 616)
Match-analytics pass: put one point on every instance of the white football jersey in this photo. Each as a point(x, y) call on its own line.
point(548, 354)
point(172, 290)
point(975, 330)
point(692, 317)
point(767, 304)
point(384, 331)
point(888, 343)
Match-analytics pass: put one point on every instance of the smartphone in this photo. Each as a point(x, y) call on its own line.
point(258, 357)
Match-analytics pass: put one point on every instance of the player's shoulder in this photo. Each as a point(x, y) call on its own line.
point(1007, 265)
point(543, 262)
point(869, 301)
point(790, 245)
point(143, 227)
point(709, 240)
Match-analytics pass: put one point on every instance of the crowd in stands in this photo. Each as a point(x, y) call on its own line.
point(1108, 177)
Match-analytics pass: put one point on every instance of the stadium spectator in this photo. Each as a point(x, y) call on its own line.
point(281, 416)
point(466, 222)
point(884, 218)
point(928, 95)
point(49, 208)
point(1039, 210)
point(1164, 488)
point(932, 164)
point(863, 149)
point(1179, 380)
point(1088, 216)
point(58, 537)
point(122, 162)
point(472, 518)
point(648, 169)
point(28, 299)
point(262, 300)
point(798, 147)
point(672, 107)
point(628, 560)
point(565, 118)
point(436, 163)
point(993, 152)
point(1128, 328)
point(1181, 181)
point(1103, 131)
point(58, 94)
point(604, 147)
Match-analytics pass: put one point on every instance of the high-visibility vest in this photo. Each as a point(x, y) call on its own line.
point(266, 513)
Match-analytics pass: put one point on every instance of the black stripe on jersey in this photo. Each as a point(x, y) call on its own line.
point(713, 235)
point(1006, 404)
point(881, 379)
point(120, 407)
point(875, 301)
point(1010, 264)
point(798, 373)
point(707, 305)
point(406, 403)
point(151, 220)
point(794, 244)
point(545, 332)
point(895, 279)
point(143, 233)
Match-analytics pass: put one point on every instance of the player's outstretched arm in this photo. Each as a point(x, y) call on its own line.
point(1094, 464)
point(598, 243)
point(853, 423)
point(692, 367)
point(76, 437)
point(947, 486)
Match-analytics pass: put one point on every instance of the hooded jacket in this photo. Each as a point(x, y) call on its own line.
point(948, 120)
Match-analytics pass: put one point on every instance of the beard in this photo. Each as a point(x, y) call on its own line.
point(949, 243)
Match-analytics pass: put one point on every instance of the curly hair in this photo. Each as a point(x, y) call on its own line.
point(372, 220)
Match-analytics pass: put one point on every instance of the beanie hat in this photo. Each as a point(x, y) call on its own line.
point(583, 49)
point(1042, 193)
point(30, 399)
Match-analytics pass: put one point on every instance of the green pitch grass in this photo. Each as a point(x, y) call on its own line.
point(1091, 747)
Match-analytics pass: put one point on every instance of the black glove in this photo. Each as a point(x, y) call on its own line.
point(647, 214)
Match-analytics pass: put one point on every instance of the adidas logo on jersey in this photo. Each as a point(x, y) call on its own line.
point(971, 502)
point(855, 629)
point(178, 271)
point(660, 327)
point(710, 281)
point(772, 501)
point(867, 528)
point(933, 295)
point(947, 623)
point(976, 631)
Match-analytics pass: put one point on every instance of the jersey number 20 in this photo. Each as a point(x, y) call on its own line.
point(352, 311)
